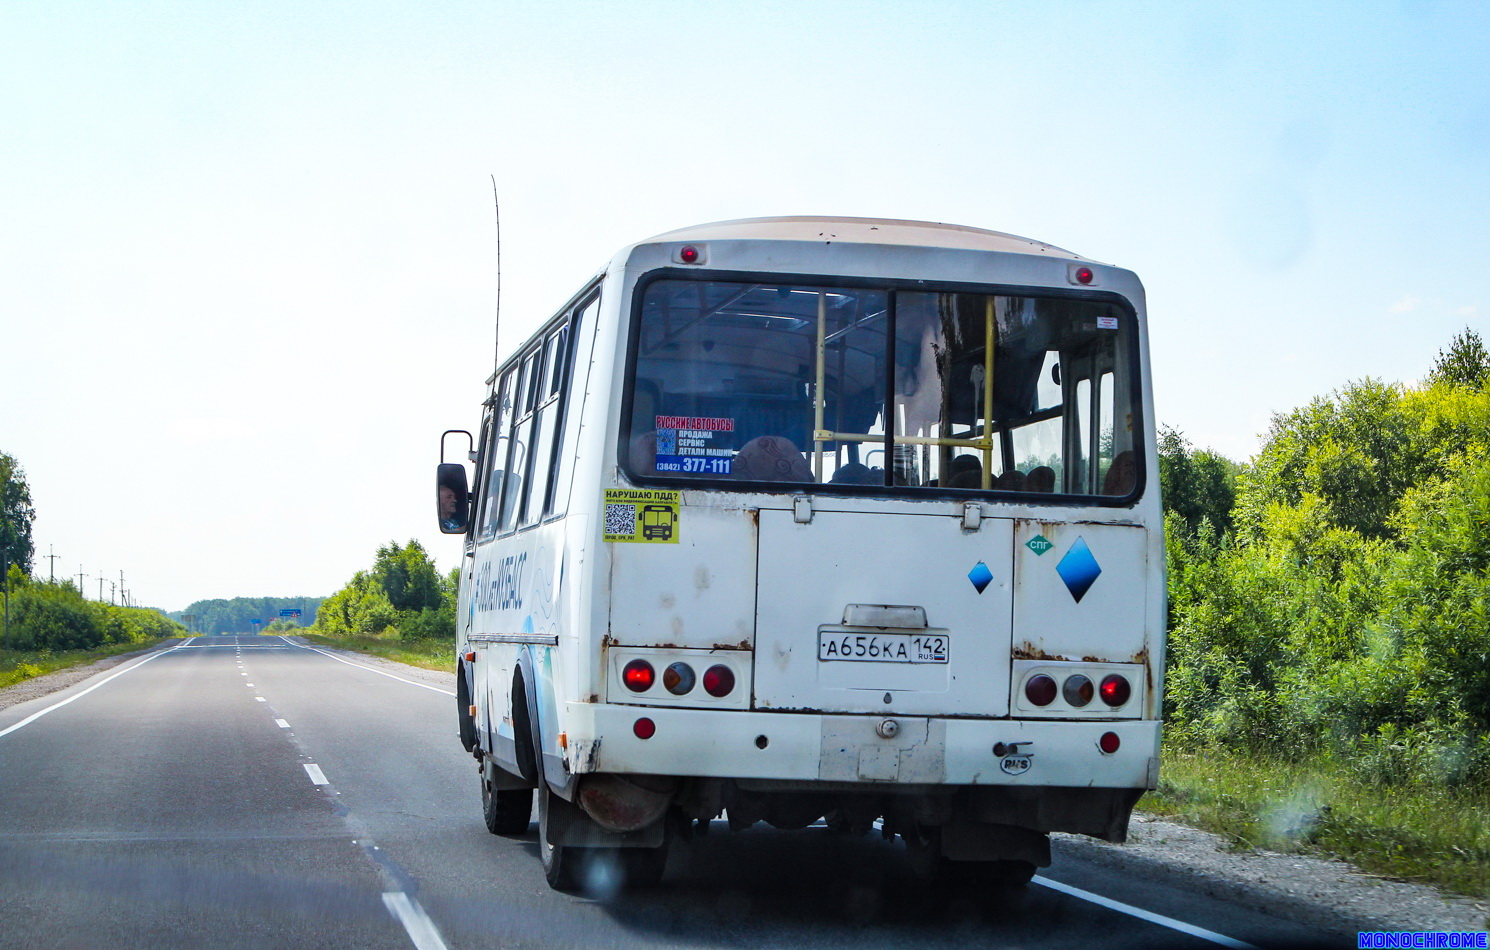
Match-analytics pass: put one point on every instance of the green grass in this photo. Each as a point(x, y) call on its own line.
point(19, 665)
point(1433, 835)
point(429, 654)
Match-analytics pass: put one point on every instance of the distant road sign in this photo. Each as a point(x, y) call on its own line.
point(290, 612)
point(256, 622)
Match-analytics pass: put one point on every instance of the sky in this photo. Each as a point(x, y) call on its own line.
point(248, 251)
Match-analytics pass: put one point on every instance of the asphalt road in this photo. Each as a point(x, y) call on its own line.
point(249, 792)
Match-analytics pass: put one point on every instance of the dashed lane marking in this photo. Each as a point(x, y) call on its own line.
point(316, 775)
point(281, 723)
point(416, 922)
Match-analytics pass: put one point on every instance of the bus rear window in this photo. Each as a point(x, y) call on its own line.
point(735, 383)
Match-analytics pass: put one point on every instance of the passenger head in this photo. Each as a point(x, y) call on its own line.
point(1040, 478)
point(643, 458)
point(857, 473)
point(771, 458)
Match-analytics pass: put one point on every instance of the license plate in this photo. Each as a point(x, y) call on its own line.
point(882, 647)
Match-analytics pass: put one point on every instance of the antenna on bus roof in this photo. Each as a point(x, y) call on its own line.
point(497, 319)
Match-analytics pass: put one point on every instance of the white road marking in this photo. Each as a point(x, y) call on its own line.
point(37, 715)
point(1142, 914)
point(281, 723)
point(259, 699)
point(316, 775)
point(371, 670)
point(416, 922)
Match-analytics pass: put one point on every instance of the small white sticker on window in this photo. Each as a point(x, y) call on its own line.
point(1107, 323)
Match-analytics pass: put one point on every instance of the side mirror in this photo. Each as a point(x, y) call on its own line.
point(453, 497)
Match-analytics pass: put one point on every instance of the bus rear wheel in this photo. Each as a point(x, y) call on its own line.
point(560, 863)
point(506, 811)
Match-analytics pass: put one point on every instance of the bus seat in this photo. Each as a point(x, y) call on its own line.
point(1121, 476)
point(771, 458)
point(1040, 478)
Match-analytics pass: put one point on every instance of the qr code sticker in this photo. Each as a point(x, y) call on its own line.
point(620, 519)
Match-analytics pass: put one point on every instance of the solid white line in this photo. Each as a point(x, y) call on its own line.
point(1142, 914)
point(37, 715)
point(416, 922)
point(371, 670)
point(316, 775)
point(281, 723)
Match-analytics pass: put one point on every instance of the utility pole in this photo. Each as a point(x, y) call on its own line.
point(52, 566)
point(100, 588)
point(123, 594)
point(113, 592)
point(5, 574)
point(81, 575)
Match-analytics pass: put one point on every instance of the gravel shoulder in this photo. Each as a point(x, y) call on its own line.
point(1321, 892)
point(39, 686)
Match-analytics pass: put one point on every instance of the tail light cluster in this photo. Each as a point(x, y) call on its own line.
point(680, 678)
point(1077, 689)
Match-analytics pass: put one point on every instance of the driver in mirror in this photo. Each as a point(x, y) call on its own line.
point(449, 519)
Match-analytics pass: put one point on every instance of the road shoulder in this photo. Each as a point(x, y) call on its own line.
point(1322, 892)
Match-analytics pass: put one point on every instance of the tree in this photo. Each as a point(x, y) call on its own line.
point(408, 576)
point(16, 514)
point(1196, 485)
point(1464, 363)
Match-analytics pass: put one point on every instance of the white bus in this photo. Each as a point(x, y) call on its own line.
point(818, 519)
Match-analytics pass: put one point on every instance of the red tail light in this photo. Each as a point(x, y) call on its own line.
point(719, 680)
point(1109, 742)
point(646, 728)
point(1115, 690)
point(638, 676)
point(1040, 690)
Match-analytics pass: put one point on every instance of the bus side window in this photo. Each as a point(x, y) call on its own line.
point(492, 496)
point(571, 390)
point(535, 496)
point(517, 457)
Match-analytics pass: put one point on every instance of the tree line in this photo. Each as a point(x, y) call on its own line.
point(54, 615)
point(403, 594)
point(1331, 597)
point(237, 614)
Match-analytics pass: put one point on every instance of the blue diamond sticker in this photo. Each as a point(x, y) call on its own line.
point(981, 576)
point(1079, 569)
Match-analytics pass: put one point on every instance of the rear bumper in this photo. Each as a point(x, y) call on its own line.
point(837, 748)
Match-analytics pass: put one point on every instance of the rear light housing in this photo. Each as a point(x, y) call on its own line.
point(678, 676)
point(1077, 689)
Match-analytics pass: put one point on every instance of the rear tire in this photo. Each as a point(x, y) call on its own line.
point(560, 863)
point(507, 811)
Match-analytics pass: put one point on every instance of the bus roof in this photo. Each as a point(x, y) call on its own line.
point(863, 231)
